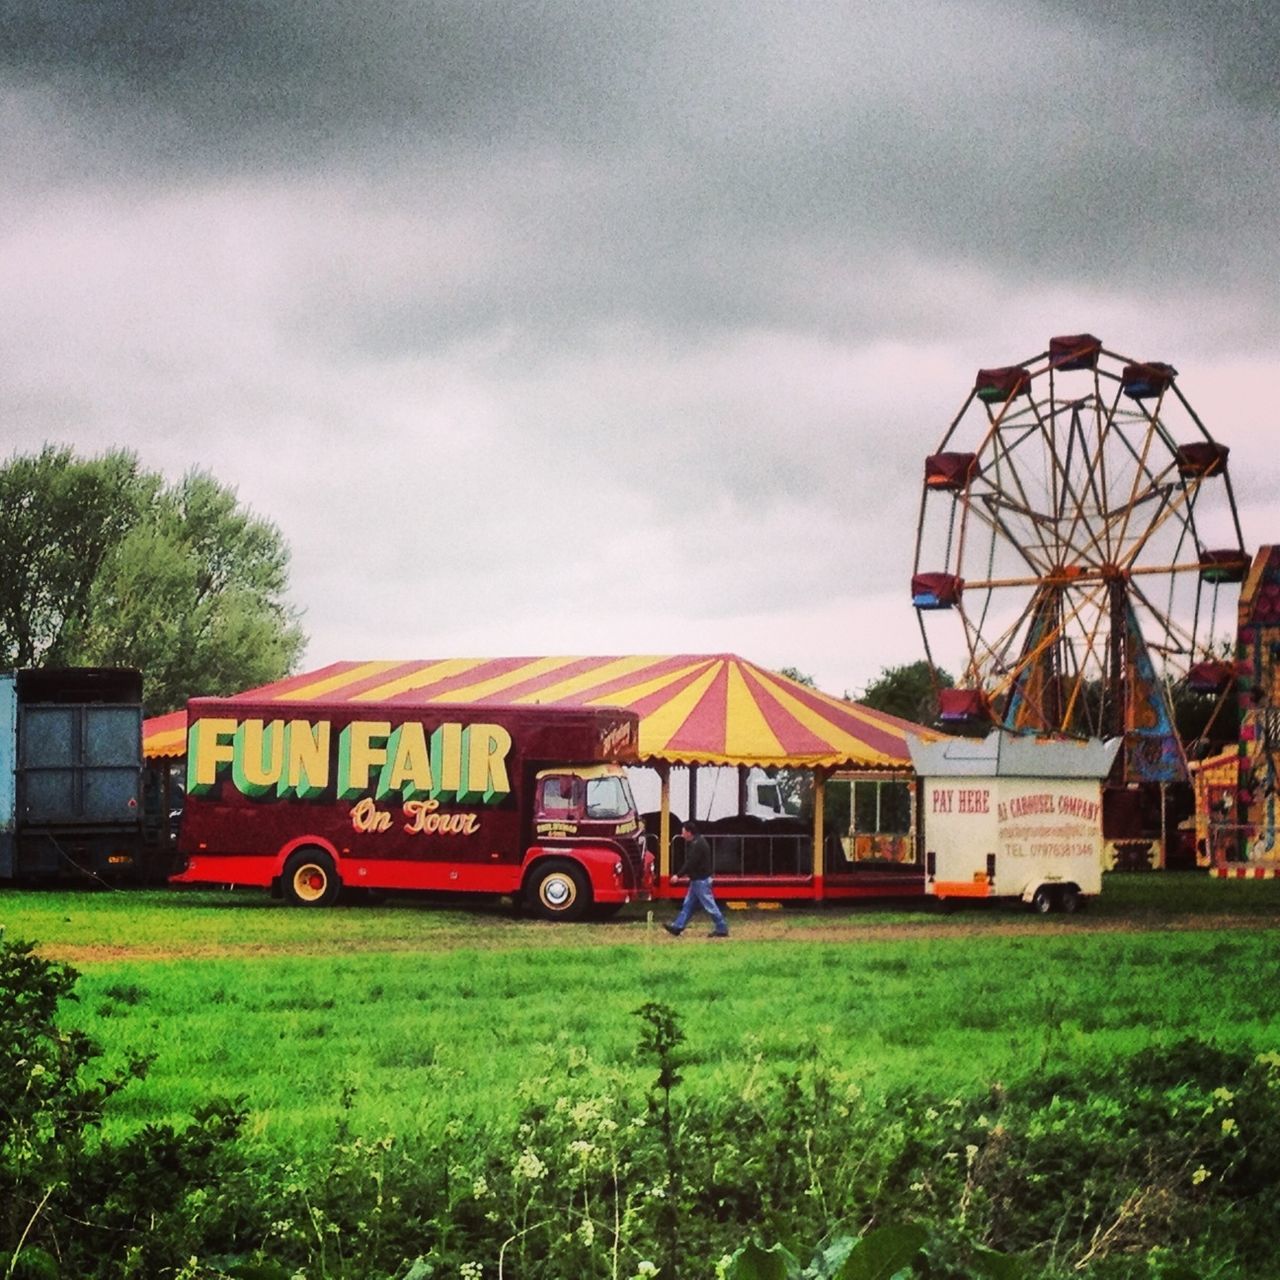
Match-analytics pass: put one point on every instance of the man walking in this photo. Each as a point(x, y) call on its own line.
point(697, 866)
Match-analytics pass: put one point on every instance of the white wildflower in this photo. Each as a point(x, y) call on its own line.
point(529, 1166)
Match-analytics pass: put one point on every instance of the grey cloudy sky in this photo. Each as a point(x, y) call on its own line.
point(557, 327)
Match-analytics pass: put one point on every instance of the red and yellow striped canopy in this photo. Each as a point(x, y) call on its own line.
point(693, 708)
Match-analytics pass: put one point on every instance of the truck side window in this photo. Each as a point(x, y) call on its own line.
point(557, 795)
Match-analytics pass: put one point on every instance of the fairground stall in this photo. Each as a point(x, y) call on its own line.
point(1014, 816)
point(1236, 790)
point(844, 770)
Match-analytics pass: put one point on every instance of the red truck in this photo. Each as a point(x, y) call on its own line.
point(309, 798)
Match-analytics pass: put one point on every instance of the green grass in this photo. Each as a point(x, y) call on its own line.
point(409, 1016)
point(204, 919)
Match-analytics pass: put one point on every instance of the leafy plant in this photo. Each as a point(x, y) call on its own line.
point(69, 1200)
point(883, 1253)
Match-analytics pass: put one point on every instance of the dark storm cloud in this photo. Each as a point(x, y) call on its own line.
point(1237, 41)
point(244, 82)
point(663, 161)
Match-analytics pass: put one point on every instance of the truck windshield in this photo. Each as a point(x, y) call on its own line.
point(608, 798)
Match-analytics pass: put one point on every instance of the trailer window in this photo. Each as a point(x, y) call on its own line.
point(608, 798)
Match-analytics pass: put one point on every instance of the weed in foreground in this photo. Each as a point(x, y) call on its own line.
point(1163, 1164)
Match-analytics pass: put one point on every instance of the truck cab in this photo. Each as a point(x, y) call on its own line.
point(588, 843)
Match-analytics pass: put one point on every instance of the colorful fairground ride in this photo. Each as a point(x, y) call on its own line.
point(1077, 528)
point(1237, 814)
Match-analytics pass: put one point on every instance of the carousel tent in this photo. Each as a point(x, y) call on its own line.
point(693, 708)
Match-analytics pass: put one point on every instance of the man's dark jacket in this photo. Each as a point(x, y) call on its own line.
point(697, 859)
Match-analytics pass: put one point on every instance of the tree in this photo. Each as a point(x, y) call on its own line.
point(110, 565)
point(909, 691)
point(795, 786)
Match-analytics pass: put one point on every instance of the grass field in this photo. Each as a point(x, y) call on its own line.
point(407, 1016)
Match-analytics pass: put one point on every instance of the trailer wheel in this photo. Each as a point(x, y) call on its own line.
point(559, 891)
point(1070, 900)
point(1042, 901)
point(310, 879)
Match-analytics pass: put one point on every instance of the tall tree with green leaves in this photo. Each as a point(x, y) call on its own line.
point(909, 691)
point(110, 565)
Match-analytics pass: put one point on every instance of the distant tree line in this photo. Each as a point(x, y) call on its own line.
point(107, 564)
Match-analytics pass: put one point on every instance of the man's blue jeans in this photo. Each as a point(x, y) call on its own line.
point(700, 895)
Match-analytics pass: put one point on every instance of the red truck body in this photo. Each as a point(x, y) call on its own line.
point(310, 797)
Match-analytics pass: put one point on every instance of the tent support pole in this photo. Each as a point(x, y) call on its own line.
point(819, 838)
point(664, 826)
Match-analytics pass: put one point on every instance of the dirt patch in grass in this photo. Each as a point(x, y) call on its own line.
point(495, 934)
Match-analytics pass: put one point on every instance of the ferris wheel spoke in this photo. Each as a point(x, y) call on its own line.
point(1069, 492)
point(1095, 477)
point(1003, 453)
point(1177, 640)
point(1000, 528)
point(1173, 508)
point(1118, 552)
point(1141, 469)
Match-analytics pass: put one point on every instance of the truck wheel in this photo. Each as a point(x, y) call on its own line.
point(310, 879)
point(1071, 900)
point(1042, 900)
point(559, 891)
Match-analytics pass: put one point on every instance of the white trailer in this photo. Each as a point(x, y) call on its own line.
point(1010, 816)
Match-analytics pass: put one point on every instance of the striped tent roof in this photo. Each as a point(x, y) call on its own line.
point(693, 708)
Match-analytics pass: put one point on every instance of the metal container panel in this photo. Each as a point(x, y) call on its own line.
point(8, 753)
point(8, 772)
point(80, 764)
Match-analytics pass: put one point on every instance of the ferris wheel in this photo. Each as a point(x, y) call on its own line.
point(1077, 525)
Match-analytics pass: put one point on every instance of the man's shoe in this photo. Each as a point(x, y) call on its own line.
point(715, 933)
point(672, 930)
